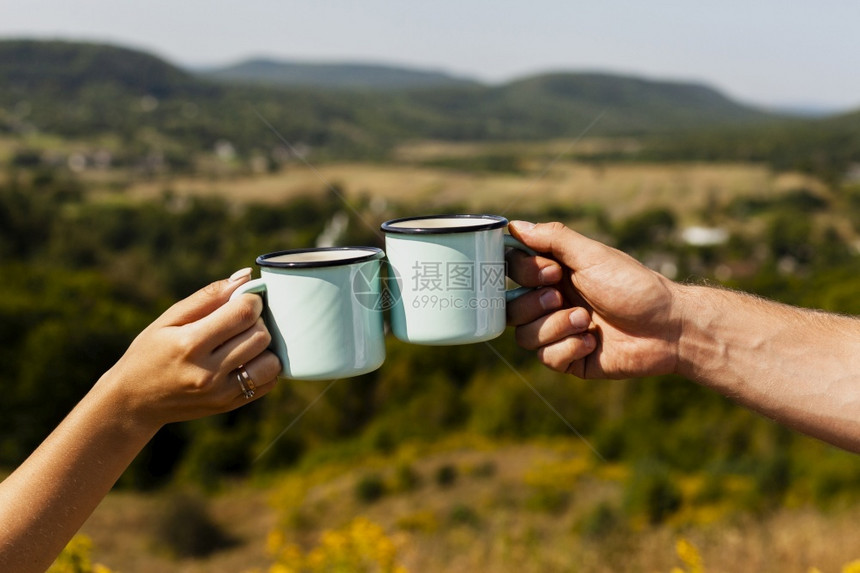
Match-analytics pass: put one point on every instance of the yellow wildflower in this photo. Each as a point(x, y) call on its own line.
point(75, 558)
point(689, 555)
point(360, 547)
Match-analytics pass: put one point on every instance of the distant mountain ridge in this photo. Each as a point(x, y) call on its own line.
point(345, 75)
point(83, 89)
point(66, 65)
point(550, 103)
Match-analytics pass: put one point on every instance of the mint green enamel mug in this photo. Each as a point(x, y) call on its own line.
point(447, 277)
point(323, 309)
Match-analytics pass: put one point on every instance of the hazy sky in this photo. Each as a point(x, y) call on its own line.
point(759, 51)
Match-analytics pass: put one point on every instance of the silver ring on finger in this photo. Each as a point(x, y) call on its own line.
point(245, 382)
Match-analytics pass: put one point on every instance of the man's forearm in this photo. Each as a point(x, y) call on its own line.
point(799, 367)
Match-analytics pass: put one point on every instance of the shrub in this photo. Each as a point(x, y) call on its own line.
point(185, 528)
point(550, 500)
point(446, 475)
point(646, 228)
point(369, 488)
point(610, 442)
point(773, 478)
point(406, 478)
point(423, 521)
point(462, 514)
point(600, 522)
point(486, 469)
point(652, 493)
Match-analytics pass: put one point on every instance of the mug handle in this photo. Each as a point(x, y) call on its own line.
point(512, 294)
point(256, 286)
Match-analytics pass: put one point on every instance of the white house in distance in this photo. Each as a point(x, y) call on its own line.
point(704, 236)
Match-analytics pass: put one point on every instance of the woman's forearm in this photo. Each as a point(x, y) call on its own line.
point(47, 499)
point(181, 367)
point(797, 366)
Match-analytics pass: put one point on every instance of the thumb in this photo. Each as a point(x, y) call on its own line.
point(568, 247)
point(204, 301)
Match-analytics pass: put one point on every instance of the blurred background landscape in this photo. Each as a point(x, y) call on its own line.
point(128, 181)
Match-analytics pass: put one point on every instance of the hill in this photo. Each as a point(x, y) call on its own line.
point(563, 103)
point(641, 104)
point(828, 147)
point(37, 66)
point(86, 90)
point(332, 75)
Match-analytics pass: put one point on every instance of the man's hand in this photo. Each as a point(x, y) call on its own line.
point(633, 330)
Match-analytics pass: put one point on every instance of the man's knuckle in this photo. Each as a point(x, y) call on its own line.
point(555, 226)
point(550, 359)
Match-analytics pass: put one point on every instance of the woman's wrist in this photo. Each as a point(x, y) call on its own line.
point(112, 396)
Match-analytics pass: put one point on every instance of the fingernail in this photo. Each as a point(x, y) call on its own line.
point(587, 340)
point(579, 318)
point(550, 275)
point(549, 299)
point(521, 226)
point(240, 274)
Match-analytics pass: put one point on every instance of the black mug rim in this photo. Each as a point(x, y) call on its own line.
point(493, 222)
point(373, 253)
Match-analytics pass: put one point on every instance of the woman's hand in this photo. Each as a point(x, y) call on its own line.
point(184, 365)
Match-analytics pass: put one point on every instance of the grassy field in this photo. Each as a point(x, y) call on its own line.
point(437, 176)
point(509, 507)
point(466, 504)
point(123, 530)
point(621, 189)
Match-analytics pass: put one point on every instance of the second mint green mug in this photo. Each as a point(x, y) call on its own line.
point(447, 277)
point(323, 308)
